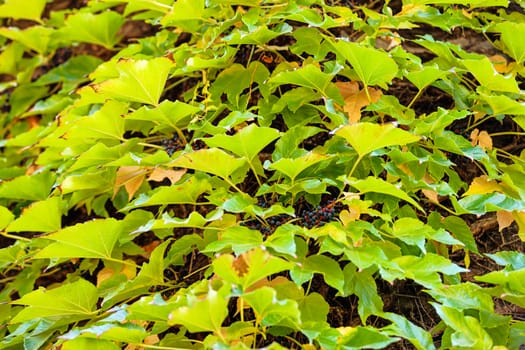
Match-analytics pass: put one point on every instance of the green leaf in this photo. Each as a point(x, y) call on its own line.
point(510, 34)
point(378, 185)
point(480, 204)
point(100, 29)
point(75, 70)
point(153, 5)
point(463, 296)
point(92, 239)
point(372, 66)
point(151, 274)
point(247, 142)
point(24, 97)
point(368, 137)
point(249, 267)
point(5, 217)
point(137, 80)
point(423, 270)
point(292, 167)
point(511, 280)
point(484, 72)
point(33, 220)
point(515, 259)
point(31, 10)
point(467, 332)
point(150, 308)
point(402, 327)
point(185, 14)
point(309, 76)
point(426, 76)
point(106, 123)
point(329, 268)
point(501, 104)
point(283, 240)
point(362, 284)
point(239, 238)
point(204, 313)
point(99, 154)
point(313, 308)
point(76, 300)
point(167, 114)
point(257, 35)
point(184, 193)
point(287, 146)
point(35, 187)
point(35, 38)
point(269, 310)
point(213, 161)
point(364, 338)
point(82, 343)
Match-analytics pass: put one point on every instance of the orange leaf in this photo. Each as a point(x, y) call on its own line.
point(482, 185)
point(159, 174)
point(505, 219)
point(481, 139)
point(500, 63)
point(131, 177)
point(356, 99)
point(104, 274)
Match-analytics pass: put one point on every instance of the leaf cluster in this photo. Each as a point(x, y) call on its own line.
point(234, 174)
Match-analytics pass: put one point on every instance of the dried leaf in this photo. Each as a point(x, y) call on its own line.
point(131, 177)
point(505, 219)
point(159, 174)
point(431, 195)
point(500, 63)
point(104, 274)
point(240, 265)
point(482, 185)
point(356, 99)
point(481, 139)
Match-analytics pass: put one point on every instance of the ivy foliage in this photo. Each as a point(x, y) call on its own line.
point(239, 169)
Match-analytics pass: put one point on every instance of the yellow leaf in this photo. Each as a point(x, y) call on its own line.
point(519, 216)
point(481, 139)
point(356, 99)
point(505, 219)
point(131, 177)
point(482, 185)
point(352, 214)
point(159, 174)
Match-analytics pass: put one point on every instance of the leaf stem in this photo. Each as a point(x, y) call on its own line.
point(7, 235)
point(416, 97)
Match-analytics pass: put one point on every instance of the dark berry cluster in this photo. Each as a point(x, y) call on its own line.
point(198, 144)
point(268, 226)
point(320, 215)
point(172, 145)
point(309, 218)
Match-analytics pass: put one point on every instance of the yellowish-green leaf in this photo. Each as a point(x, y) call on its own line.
point(31, 9)
point(137, 81)
point(76, 300)
point(368, 137)
point(92, 239)
point(43, 216)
